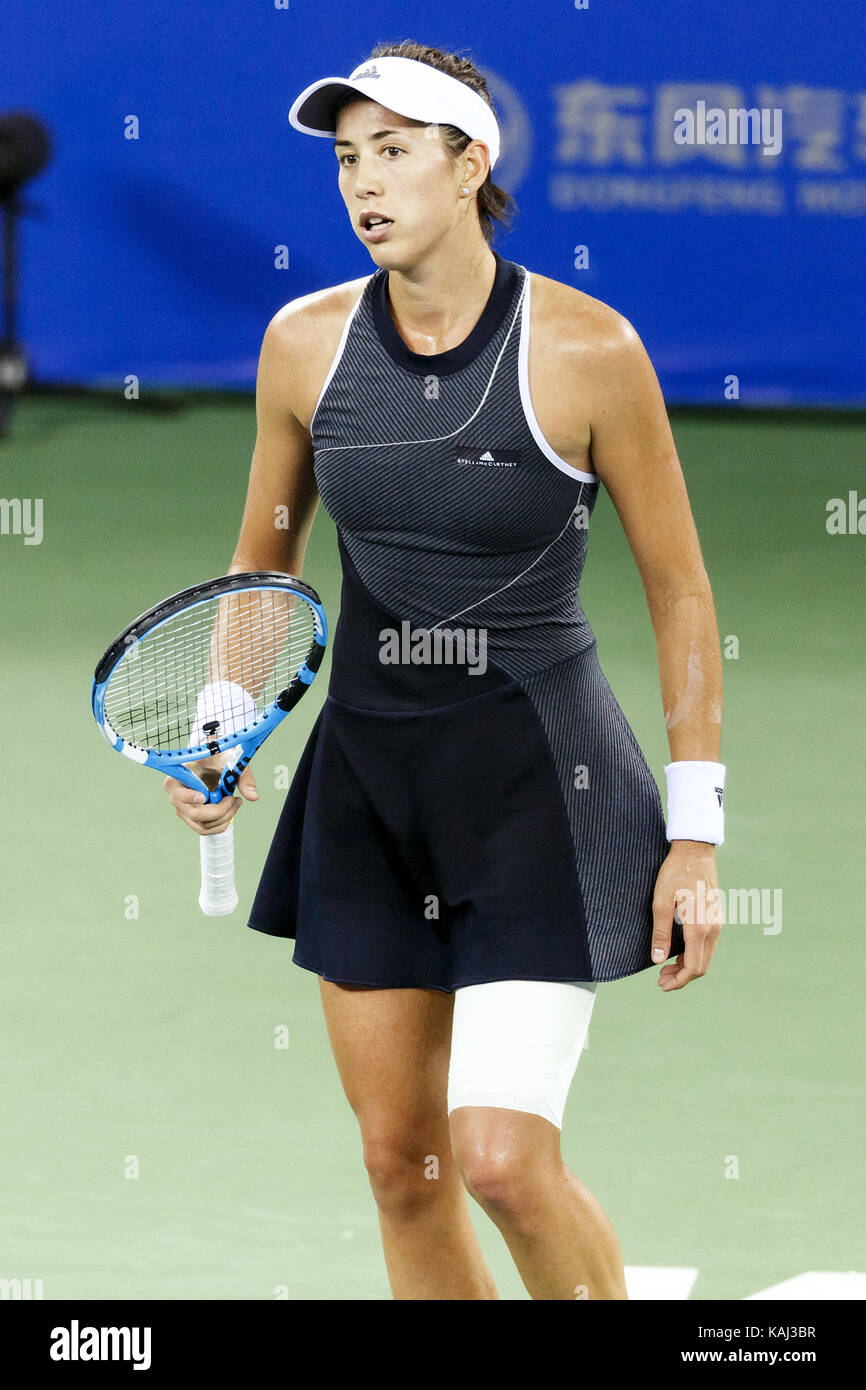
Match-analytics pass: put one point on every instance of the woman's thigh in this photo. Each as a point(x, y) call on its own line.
point(392, 1050)
point(515, 1048)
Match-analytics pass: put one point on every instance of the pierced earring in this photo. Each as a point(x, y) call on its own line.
point(464, 190)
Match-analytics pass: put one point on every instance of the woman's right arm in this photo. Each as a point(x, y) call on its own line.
point(278, 515)
point(281, 495)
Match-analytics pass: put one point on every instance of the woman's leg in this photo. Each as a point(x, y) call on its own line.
point(559, 1237)
point(515, 1048)
point(392, 1049)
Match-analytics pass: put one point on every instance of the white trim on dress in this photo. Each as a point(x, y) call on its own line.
point(526, 399)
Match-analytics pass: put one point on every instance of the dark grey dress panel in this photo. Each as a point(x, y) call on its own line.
point(613, 807)
point(436, 533)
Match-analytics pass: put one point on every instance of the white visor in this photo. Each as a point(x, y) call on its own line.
point(404, 85)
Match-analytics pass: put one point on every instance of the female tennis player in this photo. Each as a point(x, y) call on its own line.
point(473, 840)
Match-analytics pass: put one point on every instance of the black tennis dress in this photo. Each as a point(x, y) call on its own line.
point(472, 804)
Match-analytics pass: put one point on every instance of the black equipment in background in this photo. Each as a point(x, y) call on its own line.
point(25, 150)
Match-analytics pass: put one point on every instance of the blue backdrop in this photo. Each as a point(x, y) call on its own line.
point(156, 255)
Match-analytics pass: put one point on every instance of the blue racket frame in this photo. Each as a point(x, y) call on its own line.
point(249, 739)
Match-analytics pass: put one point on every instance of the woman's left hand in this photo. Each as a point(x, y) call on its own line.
point(688, 885)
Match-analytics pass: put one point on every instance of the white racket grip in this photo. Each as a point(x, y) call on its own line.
point(218, 896)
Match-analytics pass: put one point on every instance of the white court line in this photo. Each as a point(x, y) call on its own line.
point(675, 1282)
point(818, 1284)
point(659, 1281)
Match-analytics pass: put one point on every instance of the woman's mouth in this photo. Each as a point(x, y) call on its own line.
point(374, 226)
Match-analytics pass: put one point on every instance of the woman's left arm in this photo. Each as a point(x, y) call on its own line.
point(634, 455)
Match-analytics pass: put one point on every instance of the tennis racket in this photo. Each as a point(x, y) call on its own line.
point(212, 669)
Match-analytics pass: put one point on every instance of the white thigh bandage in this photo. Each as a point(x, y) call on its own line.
point(517, 1043)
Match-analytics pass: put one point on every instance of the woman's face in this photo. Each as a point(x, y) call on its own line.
point(398, 168)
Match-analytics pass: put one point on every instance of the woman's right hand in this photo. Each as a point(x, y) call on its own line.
point(206, 817)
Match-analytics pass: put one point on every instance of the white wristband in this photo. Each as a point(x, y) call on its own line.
point(233, 706)
point(695, 792)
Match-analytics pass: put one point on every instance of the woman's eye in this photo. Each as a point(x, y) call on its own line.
point(389, 149)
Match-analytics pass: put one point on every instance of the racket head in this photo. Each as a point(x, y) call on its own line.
point(261, 633)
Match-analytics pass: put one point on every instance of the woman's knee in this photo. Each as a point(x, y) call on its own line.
point(506, 1159)
point(404, 1165)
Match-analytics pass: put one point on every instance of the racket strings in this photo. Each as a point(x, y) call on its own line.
point(251, 642)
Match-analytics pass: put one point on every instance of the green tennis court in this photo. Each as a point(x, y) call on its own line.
point(161, 1140)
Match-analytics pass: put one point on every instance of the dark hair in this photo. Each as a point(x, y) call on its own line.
point(494, 205)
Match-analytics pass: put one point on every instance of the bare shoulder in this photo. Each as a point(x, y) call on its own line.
point(302, 338)
point(575, 324)
point(581, 363)
point(312, 312)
